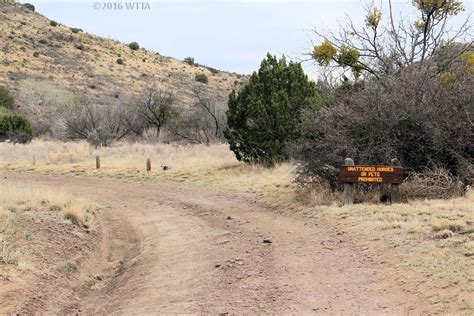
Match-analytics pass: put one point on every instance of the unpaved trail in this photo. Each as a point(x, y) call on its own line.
point(169, 249)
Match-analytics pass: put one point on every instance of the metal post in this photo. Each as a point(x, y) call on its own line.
point(348, 187)
point(97, 162)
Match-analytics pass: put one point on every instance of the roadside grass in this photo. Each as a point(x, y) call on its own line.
point(430, 243)
point(29, 215)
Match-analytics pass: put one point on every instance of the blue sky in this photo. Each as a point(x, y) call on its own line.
point(231, 35)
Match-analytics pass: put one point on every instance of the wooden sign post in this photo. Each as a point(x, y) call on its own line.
point(348, 186)
point(148, 165)
point(349, 174)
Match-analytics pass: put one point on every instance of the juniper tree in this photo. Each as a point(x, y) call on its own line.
point(264, 116)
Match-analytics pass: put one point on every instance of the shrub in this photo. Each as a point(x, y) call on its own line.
point(432, 184)
point(120, 61)
point(201, 78)
point(265, 115)
point(134, 46)
point(100, 125)
point(29, 6)
point(53, 23)
point(15, 128)
point(42, 102)
point(189, 61)
point(411, 116)
point(36, 54)
point(73, 215)
point(75, 30)
point(6, 99)
point(214, 71)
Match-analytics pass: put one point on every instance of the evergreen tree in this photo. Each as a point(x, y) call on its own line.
point(265, 115)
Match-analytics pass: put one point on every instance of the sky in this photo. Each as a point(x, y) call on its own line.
point(231, 35)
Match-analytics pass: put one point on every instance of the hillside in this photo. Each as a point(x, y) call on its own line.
point(31, 48)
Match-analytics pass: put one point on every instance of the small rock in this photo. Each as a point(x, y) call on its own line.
point(229, 217)
point(267, 241)
point(217, 265)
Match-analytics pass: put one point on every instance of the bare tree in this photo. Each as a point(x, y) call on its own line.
point(385, 46)
point(98, 124)
point(157, 108)
point(203, 123)
point(215, 113)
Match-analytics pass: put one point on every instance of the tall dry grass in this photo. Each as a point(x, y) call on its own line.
point(213, 165)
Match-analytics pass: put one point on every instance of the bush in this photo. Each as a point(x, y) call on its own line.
point(100, 125)
point(201, 78)
point(265, 115)
point(6, 99)
point(120, 61)
point(53, 23)
point(214, 71)
point(134, 46)
point(16, 128)
point(189, 61)
point(75, 30)
point(412, 116)
point(29, 6)
point(36, 54)
point(432, 184)
point(42, 102)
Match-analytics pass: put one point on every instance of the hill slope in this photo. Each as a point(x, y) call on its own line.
point(31, 48)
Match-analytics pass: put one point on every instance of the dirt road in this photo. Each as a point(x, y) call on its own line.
point(169, 249)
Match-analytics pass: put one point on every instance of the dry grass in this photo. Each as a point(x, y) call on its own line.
point(198, 164)
point(24, 210)
point(430, 242)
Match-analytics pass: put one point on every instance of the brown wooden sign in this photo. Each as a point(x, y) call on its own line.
point(371, 174)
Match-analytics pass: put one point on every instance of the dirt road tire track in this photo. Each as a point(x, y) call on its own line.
point(172, 249)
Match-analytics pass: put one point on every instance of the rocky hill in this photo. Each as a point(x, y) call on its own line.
point(34, 47)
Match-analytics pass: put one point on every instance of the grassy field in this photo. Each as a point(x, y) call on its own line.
point(430, 243)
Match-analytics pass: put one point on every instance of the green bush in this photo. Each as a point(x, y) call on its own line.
point(134, 46)
point(201, 78)
point(120, 61)
point(266, 114)
point(189, 61)
point(6, 99)
point(36, 54)
point(53, 23)
point(16, 128)
point(75, 30)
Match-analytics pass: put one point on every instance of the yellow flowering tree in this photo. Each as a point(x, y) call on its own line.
point(384, 45)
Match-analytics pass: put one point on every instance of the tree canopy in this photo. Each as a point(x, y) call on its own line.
point(266, 113)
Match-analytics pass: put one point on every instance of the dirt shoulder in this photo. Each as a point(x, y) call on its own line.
point(172, 249)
